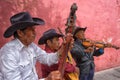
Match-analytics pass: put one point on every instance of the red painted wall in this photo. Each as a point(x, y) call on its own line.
point(100, 16)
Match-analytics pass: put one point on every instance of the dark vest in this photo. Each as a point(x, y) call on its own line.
point(84, 61)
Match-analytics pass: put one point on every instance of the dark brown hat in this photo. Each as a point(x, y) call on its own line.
point(49, 34)
point(21, 21)
point(77, 29)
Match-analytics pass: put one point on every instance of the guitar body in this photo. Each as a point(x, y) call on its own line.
point(70, 73)
point(71, 76)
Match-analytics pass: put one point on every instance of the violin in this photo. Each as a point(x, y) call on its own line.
point(98, 44)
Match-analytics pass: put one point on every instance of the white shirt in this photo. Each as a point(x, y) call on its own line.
point(17, 62)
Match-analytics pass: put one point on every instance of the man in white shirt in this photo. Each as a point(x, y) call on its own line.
point(18, 57)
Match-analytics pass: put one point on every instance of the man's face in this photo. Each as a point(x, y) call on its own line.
point(54, 43)
point(80, 34)
point(28, 35)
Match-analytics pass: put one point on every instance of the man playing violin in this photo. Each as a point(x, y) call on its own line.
point(84, 56)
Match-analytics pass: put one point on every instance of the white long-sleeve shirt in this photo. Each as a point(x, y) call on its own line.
point(17, 62)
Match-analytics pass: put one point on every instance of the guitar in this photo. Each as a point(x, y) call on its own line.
point(70, 29)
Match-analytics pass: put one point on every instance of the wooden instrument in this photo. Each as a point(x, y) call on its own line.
point(70, 28)
point(98, 44)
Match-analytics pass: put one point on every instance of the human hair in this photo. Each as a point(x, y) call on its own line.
point(15, 35)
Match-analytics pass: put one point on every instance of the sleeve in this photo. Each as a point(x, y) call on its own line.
point(1, 76)
point(9, 66)
point(46, 58)
point(98, 52)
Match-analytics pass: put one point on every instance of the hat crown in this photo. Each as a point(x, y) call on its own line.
point(20, 21)
point(78, 28)
point(49, 34)
point(21, 17)
point(50, 31)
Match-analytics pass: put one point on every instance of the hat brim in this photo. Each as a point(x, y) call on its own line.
point(21, 25)
point(84, 29)
point(43, 39)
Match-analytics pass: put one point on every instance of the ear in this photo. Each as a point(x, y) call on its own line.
point(20, 33)
point(48, 42)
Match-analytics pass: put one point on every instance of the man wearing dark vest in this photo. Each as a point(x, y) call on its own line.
point(84, 56)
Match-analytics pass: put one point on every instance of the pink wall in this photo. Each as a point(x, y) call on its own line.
point(100, 16)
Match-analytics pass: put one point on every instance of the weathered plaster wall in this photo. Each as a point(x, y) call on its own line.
point(100, 16)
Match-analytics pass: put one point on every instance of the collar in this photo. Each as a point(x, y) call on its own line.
point(19, 44)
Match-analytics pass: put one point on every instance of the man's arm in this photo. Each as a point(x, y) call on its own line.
point(45, 58)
